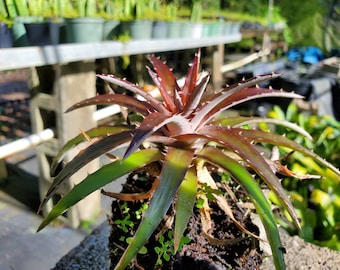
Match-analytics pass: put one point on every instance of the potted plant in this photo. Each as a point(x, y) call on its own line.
point(18, 12)
point(194, 27)
point(40, 29)
point(110, 11)
point(174, 25)
point(160, 20)
point(135, 21)
point(6, 39)
point(213, 22)
point(186, 139)
point(83, 23)
point(33, 23)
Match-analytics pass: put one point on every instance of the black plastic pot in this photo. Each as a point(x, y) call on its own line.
point(6, 39)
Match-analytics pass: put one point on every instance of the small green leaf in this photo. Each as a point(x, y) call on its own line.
point(199, 203)
point(166, 256)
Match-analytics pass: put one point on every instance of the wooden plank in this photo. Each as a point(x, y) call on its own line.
point(15, 58)
point(3, 171)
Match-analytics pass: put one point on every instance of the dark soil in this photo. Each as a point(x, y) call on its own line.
point(198, 253)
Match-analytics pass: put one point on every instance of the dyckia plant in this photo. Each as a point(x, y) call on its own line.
point(184, 133)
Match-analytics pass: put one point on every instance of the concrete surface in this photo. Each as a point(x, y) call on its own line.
point(21, 248)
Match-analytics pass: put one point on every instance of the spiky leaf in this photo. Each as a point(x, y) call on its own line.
point(100, 178)
point(95, 150)
point(185, 202)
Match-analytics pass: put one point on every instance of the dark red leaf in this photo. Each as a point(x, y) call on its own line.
point(191, 78)
point(137, 90)
point(123, 100)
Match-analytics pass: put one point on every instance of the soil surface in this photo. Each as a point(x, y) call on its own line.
point(199, 253)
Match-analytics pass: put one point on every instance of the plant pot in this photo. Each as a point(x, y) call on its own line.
point(160, 29)
point(235, 28)
point(111, 29)
point(19, 31)
point(6, 39)
point(137, 29)
point(42, 34)
point(174, 29)
point(227, 28)
point(57, 31)
point(192, 30)
point(84, 30)
point(206, 29)
point(216, 29)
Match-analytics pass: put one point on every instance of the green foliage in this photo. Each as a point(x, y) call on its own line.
point(196, 12)
point(125, 223)
point(208, 192)
point(139, 212)
point(317, 202)
point(166, 248)
point(16, 8)
point(309, 29)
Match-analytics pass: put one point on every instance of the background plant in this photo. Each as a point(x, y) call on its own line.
point(317, 201)
point(184, 135)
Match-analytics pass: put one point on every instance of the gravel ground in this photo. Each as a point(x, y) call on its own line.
point(302, 255)
point(92, 252)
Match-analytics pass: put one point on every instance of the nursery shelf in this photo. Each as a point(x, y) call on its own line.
point(15, 58)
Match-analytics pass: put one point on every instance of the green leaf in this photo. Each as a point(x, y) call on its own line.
point(95, 150)
point(186, 197)
point(101, 177)
point(101, 131)
point(242, 176)
point(177, 162)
